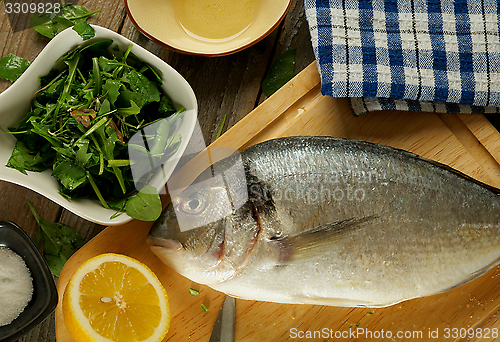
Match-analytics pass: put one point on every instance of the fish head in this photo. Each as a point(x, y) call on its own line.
point(208, 231)
point(185, 237)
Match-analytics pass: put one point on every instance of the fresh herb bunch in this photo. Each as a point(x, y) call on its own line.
point(81, 120)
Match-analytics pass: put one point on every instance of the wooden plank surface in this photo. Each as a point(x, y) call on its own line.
point(224, 86)
point(468, 143)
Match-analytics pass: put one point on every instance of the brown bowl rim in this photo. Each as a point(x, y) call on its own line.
point(225, 53)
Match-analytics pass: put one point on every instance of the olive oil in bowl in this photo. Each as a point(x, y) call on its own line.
point(215, 21)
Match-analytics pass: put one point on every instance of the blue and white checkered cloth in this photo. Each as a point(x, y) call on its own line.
point(430, 55)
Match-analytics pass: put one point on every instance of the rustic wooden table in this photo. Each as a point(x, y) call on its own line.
point(228, 85)
point(223, 85)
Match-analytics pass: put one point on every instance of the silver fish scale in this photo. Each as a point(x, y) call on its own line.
point(434, 231)
point(420, 228)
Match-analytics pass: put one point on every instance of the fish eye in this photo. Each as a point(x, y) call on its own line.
point(194, 204)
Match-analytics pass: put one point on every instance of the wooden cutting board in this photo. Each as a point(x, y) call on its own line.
point(466, 142)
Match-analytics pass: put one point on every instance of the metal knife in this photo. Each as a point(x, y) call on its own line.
point(224, 325)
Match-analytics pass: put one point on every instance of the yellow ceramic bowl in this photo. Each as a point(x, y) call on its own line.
point(207, 27)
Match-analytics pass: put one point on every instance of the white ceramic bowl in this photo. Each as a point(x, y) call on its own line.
point(15, 103)
point(160, 21)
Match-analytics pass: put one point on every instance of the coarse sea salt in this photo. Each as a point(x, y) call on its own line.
point(16, 285)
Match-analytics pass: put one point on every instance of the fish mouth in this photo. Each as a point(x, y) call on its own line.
point(170, 244)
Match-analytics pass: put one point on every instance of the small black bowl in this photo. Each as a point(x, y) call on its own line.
point(45, 297)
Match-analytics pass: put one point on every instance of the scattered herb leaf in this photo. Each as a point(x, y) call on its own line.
point(204, 307)
point(59, 241)
point(221, 127)
point(12, 66)
point(194, 292)
point(280, 72)
point(51, 24)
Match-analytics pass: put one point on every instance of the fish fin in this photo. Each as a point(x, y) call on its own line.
point(313, 242)
point(461, 174)
point(165, 243)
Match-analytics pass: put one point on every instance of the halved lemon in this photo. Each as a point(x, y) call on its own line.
point(113, 297)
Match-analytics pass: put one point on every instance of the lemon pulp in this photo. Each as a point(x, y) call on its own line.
point(128, 300)
point(115, 298)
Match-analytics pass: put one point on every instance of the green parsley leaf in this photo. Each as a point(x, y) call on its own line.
point(24, 160)
point(51, 24)
point(70, 175)
point(145, 206)
point(12, 67)
point(84, 30)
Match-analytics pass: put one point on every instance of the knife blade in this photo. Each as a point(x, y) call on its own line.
point(224, 325)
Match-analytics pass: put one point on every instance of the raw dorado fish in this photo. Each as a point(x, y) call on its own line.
point(330, 221)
